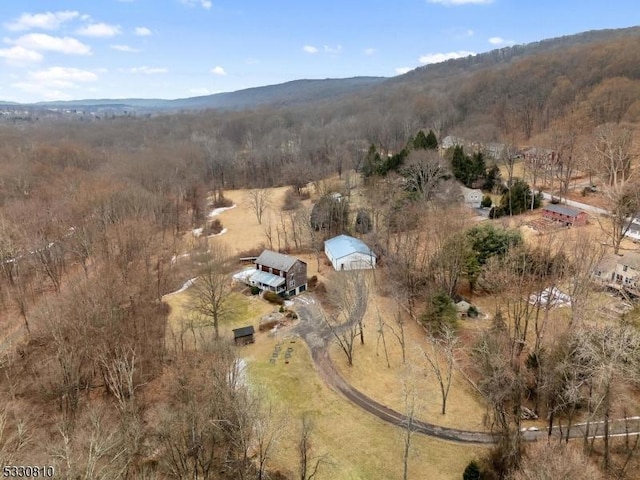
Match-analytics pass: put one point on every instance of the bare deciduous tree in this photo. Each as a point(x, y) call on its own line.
point(349, 294)
point(210, 290)
point(308, 465)
point(441, 359)
point(259, 201)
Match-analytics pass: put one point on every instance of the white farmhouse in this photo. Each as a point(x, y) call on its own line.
point(472, 196)
point(348, 253)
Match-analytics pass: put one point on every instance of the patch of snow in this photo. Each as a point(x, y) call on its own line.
point(244, 275)
point(551, 296)
point(197, 232)
point(185, 285)
point(288, 303)
point(217, 211)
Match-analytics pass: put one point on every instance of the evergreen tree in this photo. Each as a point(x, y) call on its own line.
point(431, 141)
point(472, 472)
point(372, 162)
point(519, 197)
point(491, 179)
point(420, 142)
point(479, 165)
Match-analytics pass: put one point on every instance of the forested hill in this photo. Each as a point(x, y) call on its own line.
point(284, 94)
point(506, 55)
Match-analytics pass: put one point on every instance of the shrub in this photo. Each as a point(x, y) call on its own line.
point(215, 227)
point(486, 202)
point(255, 290)
point(291, 200)
point(312, 282)
point(440, 313)
point(472, 312)
point(273, 297)
point(472, 472)
point(281, 310)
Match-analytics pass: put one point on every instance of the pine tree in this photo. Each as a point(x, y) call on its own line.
point(431, 141)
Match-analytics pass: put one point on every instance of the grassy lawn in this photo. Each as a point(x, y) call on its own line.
point(389, 385)
point(242, 310)
point(356, 444)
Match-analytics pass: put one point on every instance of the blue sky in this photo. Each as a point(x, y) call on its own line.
point(67, 49)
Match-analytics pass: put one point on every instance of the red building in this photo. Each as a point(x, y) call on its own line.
point(567, 215)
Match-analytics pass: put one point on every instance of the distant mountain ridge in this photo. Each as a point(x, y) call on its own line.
point(298, 92)
point(284, 94)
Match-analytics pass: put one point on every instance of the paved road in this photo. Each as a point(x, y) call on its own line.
point(581, 206)
point(313, 329)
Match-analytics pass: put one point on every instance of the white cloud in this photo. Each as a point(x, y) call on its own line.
point(44, 21)
point(500, 41)
point(402, 70)
point(99, 30)
point(148, 70)
point(369, 51)
point(310, 49)
point(336, 49)
point(42, 41)
point(18, 56)
point(218, 70)
point(461, 2)
point(61, 77)
point(125, 48)
point(206, 4)
point(143, 31)
point(442, 57)
point(470, 33)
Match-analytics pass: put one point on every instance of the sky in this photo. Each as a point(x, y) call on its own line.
point(69, 50)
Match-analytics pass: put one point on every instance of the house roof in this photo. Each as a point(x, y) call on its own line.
point(276, 260)
point(344, 245)
point(630, 259)
point(563, 210)
point(243, 331)
point(267, 278)
point(466, 191)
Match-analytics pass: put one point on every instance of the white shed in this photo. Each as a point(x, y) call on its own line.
point(348, 253)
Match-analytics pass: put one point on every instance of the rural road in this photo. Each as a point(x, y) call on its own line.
point(313, 329)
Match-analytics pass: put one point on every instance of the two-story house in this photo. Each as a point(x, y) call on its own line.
point(621, 272)
point(279, 273)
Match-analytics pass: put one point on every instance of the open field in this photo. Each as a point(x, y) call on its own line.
point(356, 444)
point(391, 385)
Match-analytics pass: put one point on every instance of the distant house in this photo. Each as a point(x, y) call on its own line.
point(633, 232)
point(348, 253)
point(566, 215)
point(472, 196)
point(244, 335)
point(276, 272)
point(621, 272)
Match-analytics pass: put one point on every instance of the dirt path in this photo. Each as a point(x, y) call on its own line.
point(318, 336)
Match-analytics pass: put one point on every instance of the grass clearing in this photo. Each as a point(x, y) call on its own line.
point(243, 310)
point(357, 445)
point(389, 385)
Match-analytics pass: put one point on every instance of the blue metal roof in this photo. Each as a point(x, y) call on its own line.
point(344, 245)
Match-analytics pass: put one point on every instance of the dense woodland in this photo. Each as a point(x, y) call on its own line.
point(92, 215)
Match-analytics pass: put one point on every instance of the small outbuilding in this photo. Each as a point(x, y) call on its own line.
point(349, 253)
point(571, 217)
point(244, 335)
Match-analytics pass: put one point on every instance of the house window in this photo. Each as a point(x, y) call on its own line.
point(292, 283)
point(624, 268)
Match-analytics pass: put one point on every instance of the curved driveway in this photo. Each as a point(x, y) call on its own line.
point(313, 329)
